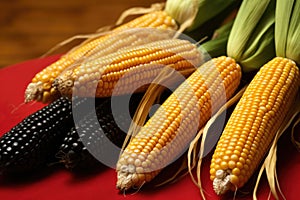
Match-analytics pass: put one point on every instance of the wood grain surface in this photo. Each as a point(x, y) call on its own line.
point(29, 28)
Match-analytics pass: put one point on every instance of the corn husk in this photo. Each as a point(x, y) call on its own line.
point(190, 14)
point(251, 40)
point(293, 47)
point(284, 9)
point(217, 45)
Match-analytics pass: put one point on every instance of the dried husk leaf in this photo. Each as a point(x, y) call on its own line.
point(217, 45)
point(295, 141)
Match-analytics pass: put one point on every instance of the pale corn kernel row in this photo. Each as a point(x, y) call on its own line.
point(168, 132)
point(253, 124)
point(127, 38)
point(129, 68)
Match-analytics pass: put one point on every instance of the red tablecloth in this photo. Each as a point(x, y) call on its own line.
point(61, 184)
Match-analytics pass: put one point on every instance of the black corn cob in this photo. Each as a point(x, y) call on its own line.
point(33, 142)
point(75, 154)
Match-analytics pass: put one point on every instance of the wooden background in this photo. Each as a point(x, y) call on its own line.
point(29, 28)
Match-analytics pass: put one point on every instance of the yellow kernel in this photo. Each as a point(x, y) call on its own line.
point(234, 157)
point(146, 151)
point(53, 91)
point(212, 170)
point(228, 152)
point(234, 180)
point(248, 161)
point(218, 160)
point(217, 167)
point(239, 165)
point(45, 77)
point(244, 155)
point(245, 150)
point(231, 164)
point(46, 97)
point(46, 86)
point(226, 158)
point(236, 171)
point(224, 165)
point(148, 147)
point(159, 146)
point(239, 148)
point(242, 160)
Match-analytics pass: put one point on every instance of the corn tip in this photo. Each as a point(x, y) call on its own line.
point(32, 91)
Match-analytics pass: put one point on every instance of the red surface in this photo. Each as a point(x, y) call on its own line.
point(58, 183)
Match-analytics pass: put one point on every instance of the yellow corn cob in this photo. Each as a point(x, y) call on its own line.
point(253, 124)
point(129, 68)
point(168, 132)
point(41, 89)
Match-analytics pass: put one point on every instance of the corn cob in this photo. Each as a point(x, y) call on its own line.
point(32, 142)
point(253, 124)
point(41, 89)
point(162, 139)
point(74, 154)
point(129, 68)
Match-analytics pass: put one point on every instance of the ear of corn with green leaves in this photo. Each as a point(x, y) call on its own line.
point(256, 123)
point(168, 132)
point(253, 124)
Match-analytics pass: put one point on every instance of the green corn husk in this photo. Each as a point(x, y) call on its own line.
point(217, 45)
point(287, 29)
point(251, 40)
point(293, 47)
point(283, 12)
point(191, 14)
point(261, 46)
